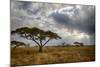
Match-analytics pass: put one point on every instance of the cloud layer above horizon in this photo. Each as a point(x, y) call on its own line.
point(71, 22)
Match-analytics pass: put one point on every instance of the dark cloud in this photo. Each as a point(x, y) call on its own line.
point(27, 6)
point(86, 25)
point(24, 5)
point(60, 18)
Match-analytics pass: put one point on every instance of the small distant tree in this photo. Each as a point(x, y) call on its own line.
point(17, 44)
point(28, 45)
point(40, 37)
point(63, 43)
point(81, 44)
point(68, 45)
point(78, 44)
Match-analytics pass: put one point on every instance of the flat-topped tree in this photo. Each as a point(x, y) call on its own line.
point(17, 44)
point(40, 37)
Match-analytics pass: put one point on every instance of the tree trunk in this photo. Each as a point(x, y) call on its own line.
point(40, 48)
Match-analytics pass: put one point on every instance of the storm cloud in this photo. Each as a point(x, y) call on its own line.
point(83, 23)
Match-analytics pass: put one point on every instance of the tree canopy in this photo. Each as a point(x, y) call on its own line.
point(37, 35)
point(17, 43)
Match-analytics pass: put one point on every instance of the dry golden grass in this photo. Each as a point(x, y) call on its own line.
point(51, 55)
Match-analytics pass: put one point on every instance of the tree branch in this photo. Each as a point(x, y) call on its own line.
point(36, 41)
point(32, 38)
point(46, 42)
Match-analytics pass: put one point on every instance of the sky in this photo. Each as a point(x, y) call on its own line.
point(72, 22)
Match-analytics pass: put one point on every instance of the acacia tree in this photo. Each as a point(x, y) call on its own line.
point(17, 43)
point(40, 37)
point(79, 43)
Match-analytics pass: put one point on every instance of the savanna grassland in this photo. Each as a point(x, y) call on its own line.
point(52, 55)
